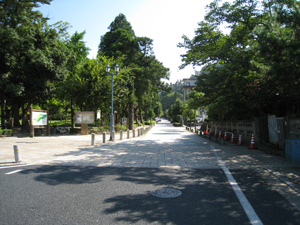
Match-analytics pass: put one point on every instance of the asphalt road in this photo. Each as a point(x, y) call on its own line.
point(216, 193)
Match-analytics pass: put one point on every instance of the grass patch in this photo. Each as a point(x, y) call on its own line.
point(149, 122)
point(60, 123)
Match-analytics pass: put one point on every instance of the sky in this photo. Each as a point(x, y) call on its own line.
point(164, 21)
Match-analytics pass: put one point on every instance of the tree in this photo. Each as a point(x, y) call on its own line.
point(195, 102)
point(277, 43)
point(176, 111)
point(32, 61)
point(169, 96)
point(77, 54)
point(254, 69)
point(119, 41)
point(13, 16)
point(144, 71)
point(227, 57)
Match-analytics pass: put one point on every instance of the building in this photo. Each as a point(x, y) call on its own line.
point(188, 85)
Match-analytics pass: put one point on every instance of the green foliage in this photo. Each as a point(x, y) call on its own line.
point(176, 111)
point(177, 124)
point(120, 127)
point(32, 57)
point(142, 71)
point(6, 132)
point(169, 96)
point(188, 114)
point(60, 123)
point(99, 130)
point(149, 122)
point(252, 69)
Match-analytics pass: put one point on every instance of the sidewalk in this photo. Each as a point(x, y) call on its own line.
point(48, 149)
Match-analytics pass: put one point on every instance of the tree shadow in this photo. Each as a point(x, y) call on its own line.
point(207, 197)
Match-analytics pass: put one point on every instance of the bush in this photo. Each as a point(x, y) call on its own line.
point(149, 122)
point(120, 127)
point(7, 132)
point(98, 130)
point(177, 124)
point(94, 130)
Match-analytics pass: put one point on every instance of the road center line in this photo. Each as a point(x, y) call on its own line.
point(15, 171)
point(253, 217)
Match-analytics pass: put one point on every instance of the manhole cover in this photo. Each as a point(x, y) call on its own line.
point(166, 193)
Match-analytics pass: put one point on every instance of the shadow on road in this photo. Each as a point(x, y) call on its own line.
point(205, 193)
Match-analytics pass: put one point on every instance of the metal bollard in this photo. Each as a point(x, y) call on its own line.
point(121, 135)
point(133, 133)
point(139, 132)
point(92, 139)
point(104, 137)
point(17, 153)
point(128, 134)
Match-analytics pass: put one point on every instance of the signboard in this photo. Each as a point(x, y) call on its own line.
point(124, 120)
point(98, 114)
point(84, 117)
point(39, 118)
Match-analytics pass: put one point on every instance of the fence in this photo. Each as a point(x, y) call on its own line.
point(271, 129)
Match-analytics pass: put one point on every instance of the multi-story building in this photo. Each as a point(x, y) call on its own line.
point(188, 85)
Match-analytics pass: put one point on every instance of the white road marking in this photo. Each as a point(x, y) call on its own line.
point(253, 217)
point(12, 172)
point(5, 167)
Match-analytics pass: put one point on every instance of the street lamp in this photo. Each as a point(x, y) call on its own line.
point(117, 68)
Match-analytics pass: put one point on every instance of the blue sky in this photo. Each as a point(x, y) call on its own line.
point(164, 21)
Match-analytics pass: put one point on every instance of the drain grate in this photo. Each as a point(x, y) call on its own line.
point(166, 193)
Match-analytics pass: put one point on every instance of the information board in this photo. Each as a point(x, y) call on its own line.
point(84, 117)
point(39, 118)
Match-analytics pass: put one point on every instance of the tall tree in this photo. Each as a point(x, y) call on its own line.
point(227, 57)
point(32, 60)
point(277, 44)
point(143, 69)
point(77, 53)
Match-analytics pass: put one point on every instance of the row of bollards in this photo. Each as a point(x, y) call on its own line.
point(135, 132)
point(140, 131)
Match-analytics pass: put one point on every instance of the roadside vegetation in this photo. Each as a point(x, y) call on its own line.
point(248, 52)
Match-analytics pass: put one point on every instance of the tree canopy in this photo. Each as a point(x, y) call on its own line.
point(251, 68)
point(144, 71)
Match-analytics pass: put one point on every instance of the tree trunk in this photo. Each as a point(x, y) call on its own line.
point(131, 116)
point(141, 116)
point(16, 121)
point(3, 102)
point(195, 119)
point(25, 123)
point(131, 109)
point(72, 114)
point(136, 117)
